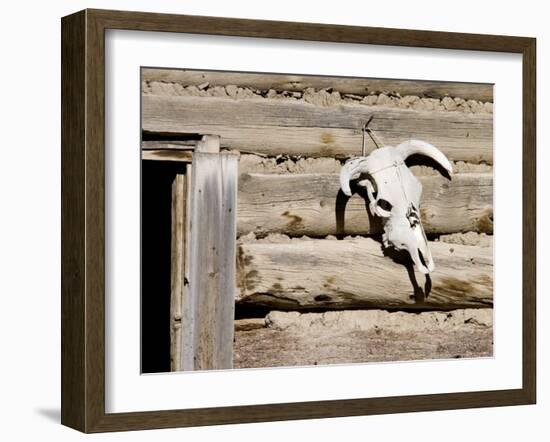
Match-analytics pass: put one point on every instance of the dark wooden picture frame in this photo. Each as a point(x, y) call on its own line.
point(83, 220)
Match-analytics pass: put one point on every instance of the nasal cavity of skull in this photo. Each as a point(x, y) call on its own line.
point(413, 216)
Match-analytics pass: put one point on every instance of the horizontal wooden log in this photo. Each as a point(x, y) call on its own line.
point(354, 273)
point(346, 85)
point(296, 128)
point(310, 204)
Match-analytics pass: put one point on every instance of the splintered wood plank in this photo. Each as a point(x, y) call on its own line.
point(188, 320)
point(312, 204)
point(345, 85)
point(179, 192)
point(182, 156)
point(356, 273)
point(296, 128)
point(212, 259)
point(186, 145)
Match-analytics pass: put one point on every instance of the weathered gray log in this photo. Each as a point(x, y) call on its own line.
point(346, 85)
point(296, 128)
point(310, 204)
point(354, 273)
point(177, 286)
point(212, 260)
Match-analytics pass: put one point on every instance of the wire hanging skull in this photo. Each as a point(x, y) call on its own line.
point(394, 195)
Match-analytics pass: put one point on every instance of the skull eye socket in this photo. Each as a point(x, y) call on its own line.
point(384, 205)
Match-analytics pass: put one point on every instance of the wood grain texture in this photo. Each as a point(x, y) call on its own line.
point(83, 385)
point(188, 310)
point(353, 273)
point(184, 145)
point(95, 221)
point(312, 205)
point(183, 156)
point(297, 128)
point(73, 219)
point(177, 272)
point(529, 149)
point(208, 144)
point(345, 85)
point(194, 24)
point(212, 260)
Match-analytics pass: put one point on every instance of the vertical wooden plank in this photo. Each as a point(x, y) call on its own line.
point(225, 308)
point(177, 268)
point(212, 245)
point(187, 348)
point(208, 143)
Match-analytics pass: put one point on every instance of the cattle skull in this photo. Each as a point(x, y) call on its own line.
point(394, 195)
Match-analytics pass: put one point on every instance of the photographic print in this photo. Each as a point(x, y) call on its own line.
point(272, 209)
point(297, 220)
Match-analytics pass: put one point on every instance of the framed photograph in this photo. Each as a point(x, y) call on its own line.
point(268, 221)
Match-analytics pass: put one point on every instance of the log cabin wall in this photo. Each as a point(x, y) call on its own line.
point(303, 248)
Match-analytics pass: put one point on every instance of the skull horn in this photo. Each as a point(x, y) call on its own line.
point(352, 167)
point(412, 147)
